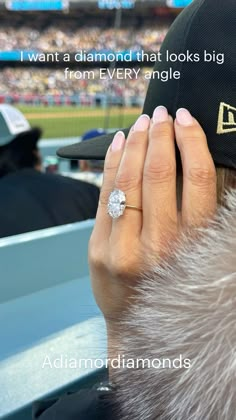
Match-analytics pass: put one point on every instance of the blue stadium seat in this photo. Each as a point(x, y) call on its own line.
point(47, 315)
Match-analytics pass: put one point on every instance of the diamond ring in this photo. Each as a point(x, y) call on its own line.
point(117, 204)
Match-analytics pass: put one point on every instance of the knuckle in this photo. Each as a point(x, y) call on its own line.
point(135, 138)
point(193, 134)
point(95, 256)
point(150, 245)
point(194, 137)
point(120, 267)
point(127, 181)
point(110, 167)
point(159, 173)
point(163, 131)
point(201, 177)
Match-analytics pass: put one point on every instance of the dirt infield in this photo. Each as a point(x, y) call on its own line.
point(81, 113)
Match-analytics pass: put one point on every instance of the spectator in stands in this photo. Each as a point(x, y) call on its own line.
point(91, 170)
point(30, 198)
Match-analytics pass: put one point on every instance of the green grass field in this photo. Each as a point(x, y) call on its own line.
point(68, 121)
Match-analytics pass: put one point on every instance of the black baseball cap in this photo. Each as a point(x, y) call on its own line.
point(15, 127)
point(205, 35)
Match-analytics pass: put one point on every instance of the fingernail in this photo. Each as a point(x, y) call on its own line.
point(118, 141)
point(184, 117)
point(160, 114)
point(142, 123)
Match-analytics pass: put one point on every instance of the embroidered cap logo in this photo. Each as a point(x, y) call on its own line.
point(226, 119)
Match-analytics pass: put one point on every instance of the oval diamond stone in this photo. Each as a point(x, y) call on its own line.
point(116, 204)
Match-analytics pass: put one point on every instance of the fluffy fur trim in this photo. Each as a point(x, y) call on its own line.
point(186, 311)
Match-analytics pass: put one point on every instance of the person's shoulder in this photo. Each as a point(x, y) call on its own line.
point(21, 176)
point(30, 175)
point(70, 182)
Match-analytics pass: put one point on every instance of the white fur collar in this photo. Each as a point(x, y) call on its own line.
point(188, 308)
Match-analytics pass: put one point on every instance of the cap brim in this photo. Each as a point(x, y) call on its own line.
point(95, 148)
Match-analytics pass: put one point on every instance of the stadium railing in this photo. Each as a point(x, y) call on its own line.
point(48, 318)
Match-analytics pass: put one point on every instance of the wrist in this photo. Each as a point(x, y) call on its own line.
point(113, 346)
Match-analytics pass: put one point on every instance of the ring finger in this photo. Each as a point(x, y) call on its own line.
point(102, 228)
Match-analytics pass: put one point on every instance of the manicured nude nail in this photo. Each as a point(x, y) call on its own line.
point(118, 141)
point(184, 117)
point(160, 114)
point(142, 123)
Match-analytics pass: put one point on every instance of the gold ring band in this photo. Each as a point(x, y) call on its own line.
point(133, 207)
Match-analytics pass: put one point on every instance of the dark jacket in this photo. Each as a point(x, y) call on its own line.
point(31, 200)
point(87, 404)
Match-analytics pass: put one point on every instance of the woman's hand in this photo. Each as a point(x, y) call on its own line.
point(144, 167)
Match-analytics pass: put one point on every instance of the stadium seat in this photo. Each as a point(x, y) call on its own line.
point(48, 317)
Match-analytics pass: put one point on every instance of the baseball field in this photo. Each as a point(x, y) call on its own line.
point(71, 121)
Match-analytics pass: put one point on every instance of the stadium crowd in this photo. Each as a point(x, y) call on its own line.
point(73, 36)
point(72, 33)
point(49, 86)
